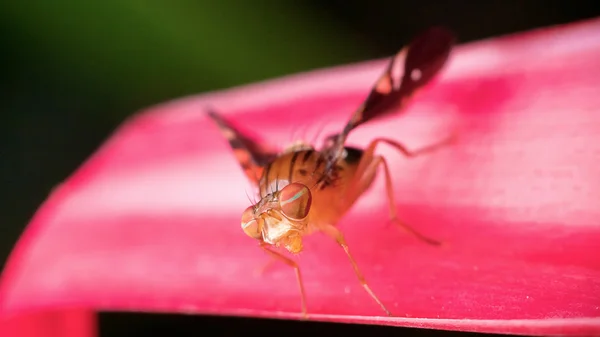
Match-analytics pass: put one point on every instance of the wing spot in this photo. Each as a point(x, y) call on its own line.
point(415, 75)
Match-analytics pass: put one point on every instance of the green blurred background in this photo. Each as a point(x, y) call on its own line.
point(74, 70)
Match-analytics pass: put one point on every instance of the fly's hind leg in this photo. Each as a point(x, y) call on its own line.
point(367, 169)
point(392, 204)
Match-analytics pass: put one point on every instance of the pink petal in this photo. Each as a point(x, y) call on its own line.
point(57, 323)
point(151, 221)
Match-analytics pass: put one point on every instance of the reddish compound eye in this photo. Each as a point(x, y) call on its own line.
point(295, 200)
point(249, 224)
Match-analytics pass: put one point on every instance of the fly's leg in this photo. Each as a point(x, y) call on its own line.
point(392, 204)
point(367, 169)
point(264, 268)
point(337, 235)
point(294, 265)
point(412, 153)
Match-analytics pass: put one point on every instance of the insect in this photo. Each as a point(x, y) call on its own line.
point(304, 190)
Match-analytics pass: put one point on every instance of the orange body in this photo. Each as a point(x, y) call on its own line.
point(330, 199)
point(303, 190)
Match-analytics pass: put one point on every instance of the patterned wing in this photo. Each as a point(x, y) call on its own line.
point(252, 154)
point(424, 57)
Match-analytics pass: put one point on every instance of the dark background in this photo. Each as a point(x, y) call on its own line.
point(74, 70)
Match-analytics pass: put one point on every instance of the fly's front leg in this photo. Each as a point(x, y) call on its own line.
point(337, 235)
point(367, 169)
point(264, 268)
point(294, 265)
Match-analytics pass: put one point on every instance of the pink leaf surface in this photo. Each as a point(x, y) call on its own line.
point(51, 323)
point(151, 221)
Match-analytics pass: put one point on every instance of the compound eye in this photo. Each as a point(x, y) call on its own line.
point(295, 200)
point(249, 224)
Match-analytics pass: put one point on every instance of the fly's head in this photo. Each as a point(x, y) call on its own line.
point(280, 218)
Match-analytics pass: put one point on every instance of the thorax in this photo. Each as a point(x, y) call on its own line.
point(307, 166)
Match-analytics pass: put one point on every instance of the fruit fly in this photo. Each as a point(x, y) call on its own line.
point(304, 190)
